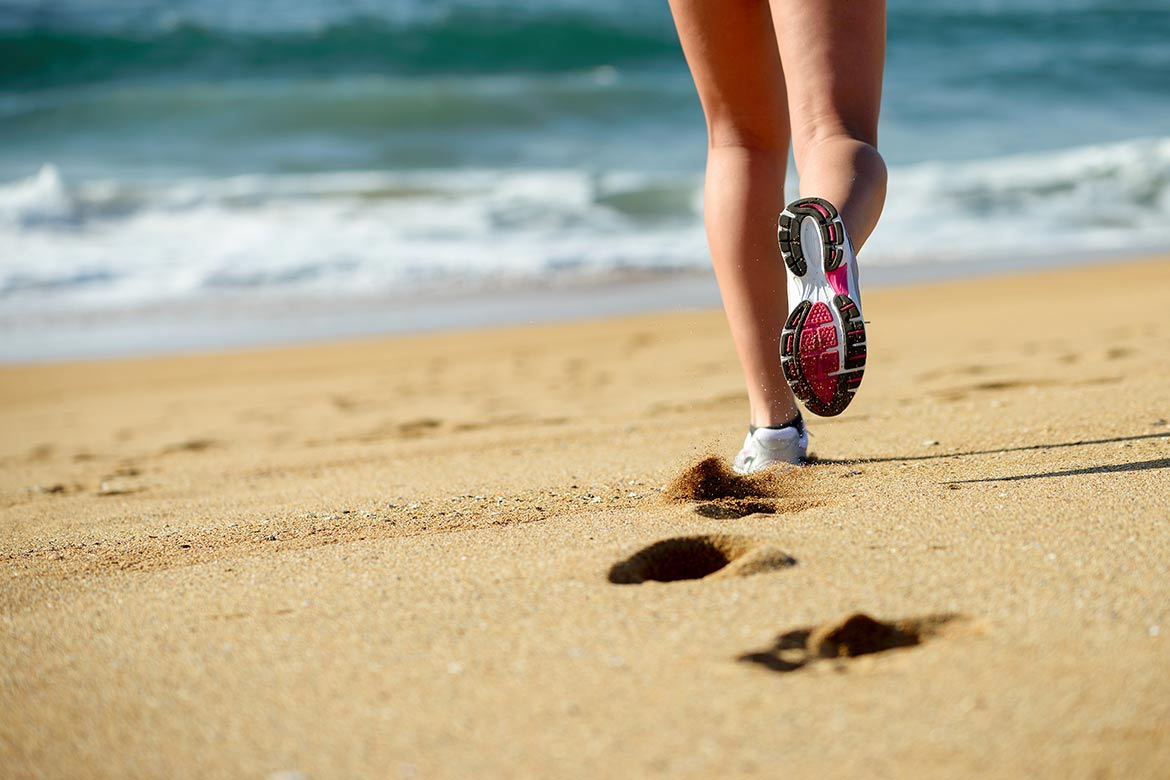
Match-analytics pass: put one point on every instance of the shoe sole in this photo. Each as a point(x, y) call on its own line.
point(823, 345)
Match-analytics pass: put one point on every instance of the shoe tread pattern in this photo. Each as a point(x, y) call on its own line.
point(823, 367)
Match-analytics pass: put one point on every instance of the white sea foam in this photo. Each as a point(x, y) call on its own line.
point(1110, 199)
point(119, 244)
point(39, 199)
point(74, 246)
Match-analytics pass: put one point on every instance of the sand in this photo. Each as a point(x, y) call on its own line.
point(393, 558)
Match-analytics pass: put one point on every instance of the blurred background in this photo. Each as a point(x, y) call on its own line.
point(193, 174)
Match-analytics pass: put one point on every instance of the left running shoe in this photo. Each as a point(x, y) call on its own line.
point(764, 447)
point(822, 346)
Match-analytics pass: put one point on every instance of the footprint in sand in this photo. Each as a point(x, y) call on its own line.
point(191, 445)
point(699, 557)
point(413, 429)
point(859, 634)
point(734, 508)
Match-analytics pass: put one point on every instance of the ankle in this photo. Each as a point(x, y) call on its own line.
point(774, 417)
point(796, 423)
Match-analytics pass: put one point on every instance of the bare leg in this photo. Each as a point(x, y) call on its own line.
point(833, 53)
point(731, 50)
point(755, 65)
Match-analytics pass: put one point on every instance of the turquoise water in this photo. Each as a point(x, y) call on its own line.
point(155, 153)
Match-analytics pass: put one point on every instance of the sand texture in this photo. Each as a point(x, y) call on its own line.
point(454, 556)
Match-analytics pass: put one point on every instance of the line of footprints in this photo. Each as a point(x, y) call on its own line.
point(716, 556)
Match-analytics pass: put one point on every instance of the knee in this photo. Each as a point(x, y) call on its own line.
point(839, 145)
point(820, 132)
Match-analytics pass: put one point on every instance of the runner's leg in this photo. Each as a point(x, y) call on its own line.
point(732, 53)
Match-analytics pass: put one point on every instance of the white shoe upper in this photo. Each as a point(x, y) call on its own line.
point(766, 447)
point(814, 284)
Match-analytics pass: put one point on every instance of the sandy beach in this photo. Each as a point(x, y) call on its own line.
point(435, 556)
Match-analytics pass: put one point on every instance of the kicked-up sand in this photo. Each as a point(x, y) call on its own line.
point(502, 554)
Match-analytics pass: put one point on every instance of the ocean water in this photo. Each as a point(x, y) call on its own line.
point(162, 155)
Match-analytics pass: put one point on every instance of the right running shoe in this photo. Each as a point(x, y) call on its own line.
point(822, 346)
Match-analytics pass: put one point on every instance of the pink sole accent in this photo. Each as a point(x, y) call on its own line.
point(818, 315)
point(824, 212)
point(818, 354)
point(832, 232)
point(839, 279)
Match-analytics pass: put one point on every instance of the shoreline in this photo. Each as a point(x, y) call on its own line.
point(255, 322)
